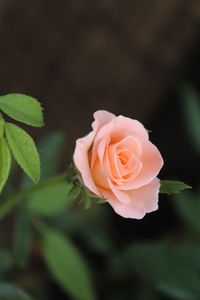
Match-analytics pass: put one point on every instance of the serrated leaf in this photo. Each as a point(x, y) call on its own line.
point(50, 200)
point(172, 187)
point(24, 150)
point(5, 162)
point(22, 108)
point(67, 265)
point(49, 148)
point(11, 292)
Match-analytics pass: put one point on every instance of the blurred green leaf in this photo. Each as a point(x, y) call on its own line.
point(11, 292)
point(147, 293)
point(24, 150)
point(172, 269)
point(172, 187)
point(5, 162)
point(22, 235)
point(50, 200)
point(67, 265)
point(191, 109)
point(22, 108)
point(50, 149)
point(99, 237)
point(188, 207)
point(6, 260)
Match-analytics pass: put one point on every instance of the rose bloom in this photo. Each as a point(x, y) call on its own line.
point(117, 162)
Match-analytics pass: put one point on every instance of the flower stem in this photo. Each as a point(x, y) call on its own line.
point(11, 202)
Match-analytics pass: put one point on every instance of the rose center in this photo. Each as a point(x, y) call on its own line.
point(123, 160)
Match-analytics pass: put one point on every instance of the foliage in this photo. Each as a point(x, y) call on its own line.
point(172, 187)
point(58, 245)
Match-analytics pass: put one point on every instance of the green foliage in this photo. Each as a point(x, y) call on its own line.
point(67, 265)
point(2, 123)
point(11, 292)
point(6, 261)
point(172, 269)
point(188, 207)
point(22, 235)
point(85, 198)
point(24, 150)
point(172, 187)
point(50, 149)
point(5, 162)
point(22, 108)
point(50, 200)
point(191, 109)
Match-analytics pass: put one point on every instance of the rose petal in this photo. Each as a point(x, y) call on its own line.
point(132, 210)
point(152, 162)
point(147, 195)
point(121, 127)
point(142, 201)
point(129, 142)
point(130, 145)
point(102, 117)
point(82, 163)
point(121, 196)
point(99, 175)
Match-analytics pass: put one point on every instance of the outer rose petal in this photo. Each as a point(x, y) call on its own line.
point(81, 161)
point(101, 118)
point(143, 200)
point(122, 126)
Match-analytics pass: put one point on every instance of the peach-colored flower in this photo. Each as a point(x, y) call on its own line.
point(117, 161)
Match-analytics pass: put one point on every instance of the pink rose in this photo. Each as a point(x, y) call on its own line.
point(117, 161)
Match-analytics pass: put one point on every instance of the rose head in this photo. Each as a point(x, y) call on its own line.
point(117, 162)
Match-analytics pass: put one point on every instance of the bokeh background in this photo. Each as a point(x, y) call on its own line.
point(135, 58)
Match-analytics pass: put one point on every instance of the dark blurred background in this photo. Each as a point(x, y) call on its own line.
point(128, 57)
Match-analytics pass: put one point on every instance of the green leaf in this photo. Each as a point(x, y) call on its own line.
point(2, 123)
point(6, 260)
point(50, 200)
point(22, 108)
point(11, 292)
point(191, 109)
point(5, 162)
point(22, 235)
point(172, 269)
point(67, 265)
point(50, 149)
point(24, 150)
point(172, 187)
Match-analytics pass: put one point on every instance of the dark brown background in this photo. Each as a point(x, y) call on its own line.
point(79, 56)
point(125, 56)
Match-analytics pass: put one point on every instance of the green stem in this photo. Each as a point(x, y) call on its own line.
point(11, 202)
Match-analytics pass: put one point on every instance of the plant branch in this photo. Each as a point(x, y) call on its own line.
point(11, 202)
